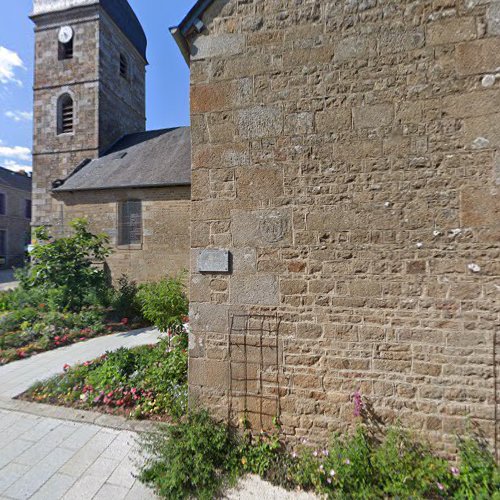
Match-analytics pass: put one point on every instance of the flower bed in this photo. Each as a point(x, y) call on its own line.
point(143, 382)
point(31, 331)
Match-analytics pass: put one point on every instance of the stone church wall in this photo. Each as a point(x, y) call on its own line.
point(165, 217)
point(347, 154)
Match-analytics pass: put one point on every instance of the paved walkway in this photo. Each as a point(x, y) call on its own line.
point(46, 458)
point(57, 453)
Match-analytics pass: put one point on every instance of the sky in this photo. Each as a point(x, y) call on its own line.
point(167, 90)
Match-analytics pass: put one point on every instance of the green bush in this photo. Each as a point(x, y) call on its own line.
point(125, 302)
point(165, 304)
point(193, 459)
point(352, 467)
point(68, 267)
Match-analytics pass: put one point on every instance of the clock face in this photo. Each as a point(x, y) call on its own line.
point(65, 34)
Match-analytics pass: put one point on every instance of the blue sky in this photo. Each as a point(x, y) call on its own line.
point(167, 74)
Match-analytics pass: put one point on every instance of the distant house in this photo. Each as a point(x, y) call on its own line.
point(15, 216)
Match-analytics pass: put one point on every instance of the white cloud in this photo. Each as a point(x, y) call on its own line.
point(9, 62)
point(19, 116)
point(16, 167)
point(15, 153)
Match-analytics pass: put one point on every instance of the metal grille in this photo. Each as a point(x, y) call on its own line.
point(254, 369)
point(130, 223)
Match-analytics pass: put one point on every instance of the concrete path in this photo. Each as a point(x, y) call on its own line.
point(67, 457)
point(46, 458)
point(17, 377)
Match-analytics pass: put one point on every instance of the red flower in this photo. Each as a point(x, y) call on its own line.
point(124, 321)
point(66, 367)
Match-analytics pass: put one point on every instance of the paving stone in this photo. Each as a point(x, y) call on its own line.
point(112, 491)
point(10, 474)
point(37, 476)
point(55, 487)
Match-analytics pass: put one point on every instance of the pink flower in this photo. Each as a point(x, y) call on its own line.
point(358, 403)
point(440, 486)
point(347, 461)
point(455, 471)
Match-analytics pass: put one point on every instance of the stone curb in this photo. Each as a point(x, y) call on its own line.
point(81, 416)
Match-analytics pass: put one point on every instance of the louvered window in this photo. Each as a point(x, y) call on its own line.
point(66, 115)
point(123, 66)
point(130, 222)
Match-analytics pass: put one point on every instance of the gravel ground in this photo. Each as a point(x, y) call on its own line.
point(252, 487)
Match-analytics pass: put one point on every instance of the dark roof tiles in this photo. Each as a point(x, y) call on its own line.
point(146, 159)
point(14, 180)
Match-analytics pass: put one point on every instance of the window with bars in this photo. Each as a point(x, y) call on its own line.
point(123, 66)
point(130, 222)
point(66, 50)
point(65, 115)
point(3, 204)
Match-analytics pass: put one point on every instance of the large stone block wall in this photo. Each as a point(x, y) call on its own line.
point(166, 216)
point(347, 154)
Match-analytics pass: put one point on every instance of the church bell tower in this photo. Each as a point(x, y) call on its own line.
point(89, 90)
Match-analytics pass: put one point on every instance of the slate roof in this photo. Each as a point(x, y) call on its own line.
point(14, 180)
point(146, 159)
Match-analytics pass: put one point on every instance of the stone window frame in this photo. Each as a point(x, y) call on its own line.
point(60, 110)
point(120, 244)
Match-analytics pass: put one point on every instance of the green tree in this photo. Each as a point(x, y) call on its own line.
point(69, 268)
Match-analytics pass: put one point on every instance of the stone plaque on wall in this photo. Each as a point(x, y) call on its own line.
point(213, 260)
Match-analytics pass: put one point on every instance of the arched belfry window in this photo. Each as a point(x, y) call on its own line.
point(65, 114)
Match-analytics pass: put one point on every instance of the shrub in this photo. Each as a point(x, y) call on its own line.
point(68, 266)
point(352, 467)
point(165, 304)
point(125, 303)
point(194, 458)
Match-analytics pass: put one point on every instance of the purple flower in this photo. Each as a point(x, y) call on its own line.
point(455, 471)
point(326, 453)
point(358, 403)
point(347, 461)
